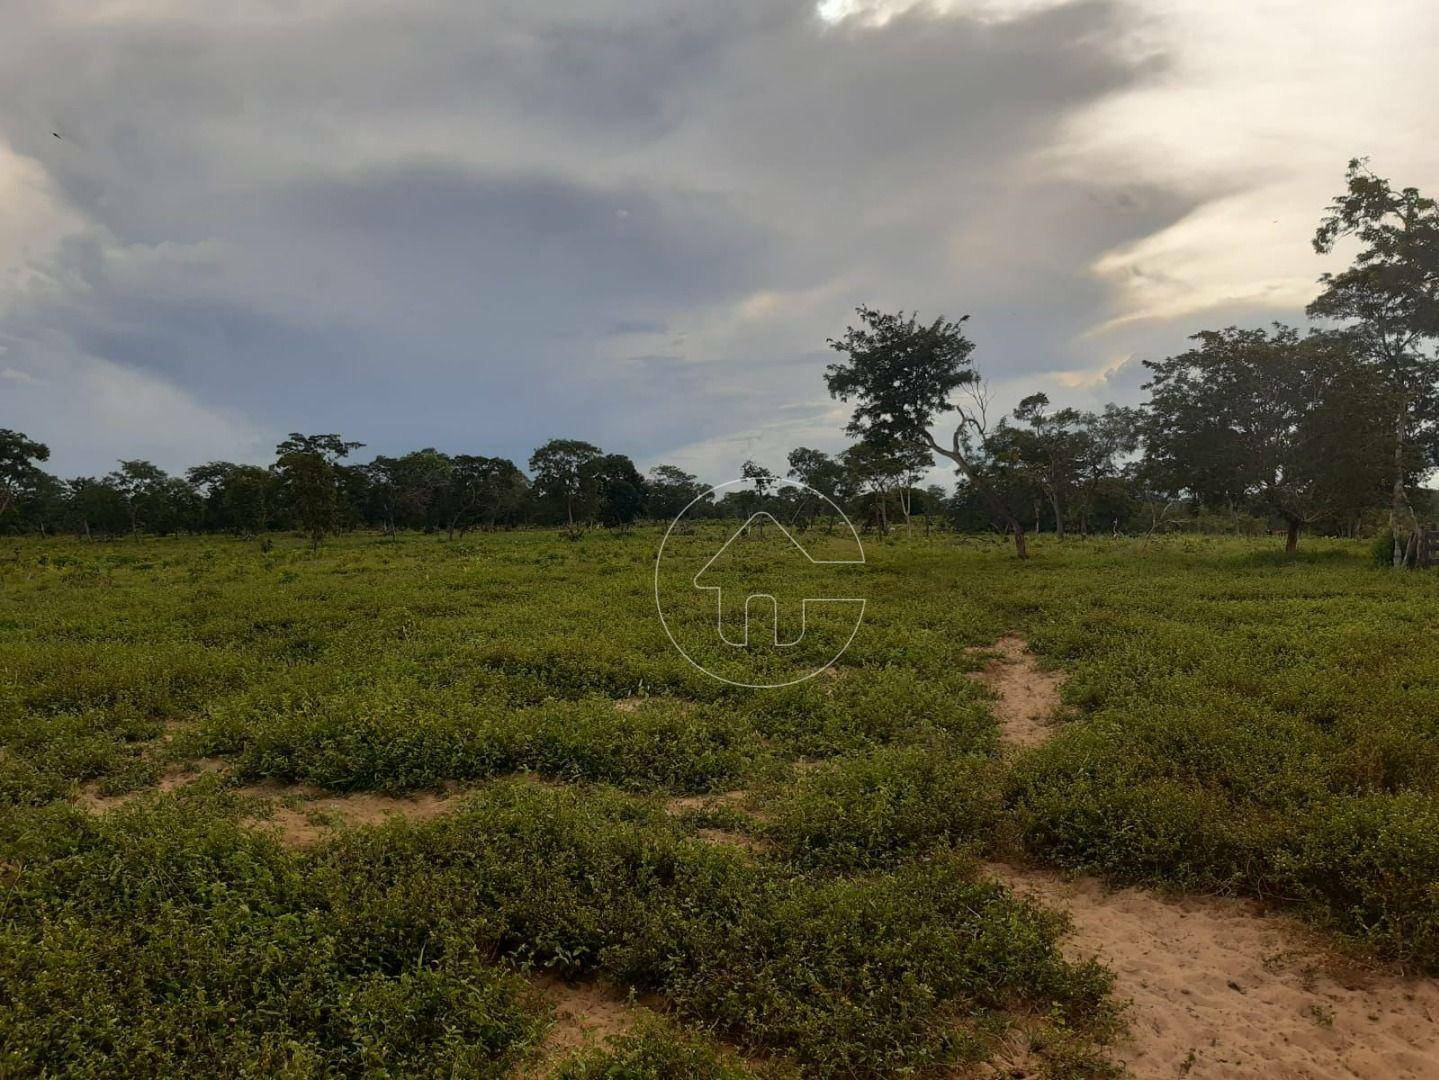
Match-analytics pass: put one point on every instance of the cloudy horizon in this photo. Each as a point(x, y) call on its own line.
point(477, 227)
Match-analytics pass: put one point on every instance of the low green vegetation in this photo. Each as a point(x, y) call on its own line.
point(1236, 721)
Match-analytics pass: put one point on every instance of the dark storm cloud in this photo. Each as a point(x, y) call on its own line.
point(476, 226)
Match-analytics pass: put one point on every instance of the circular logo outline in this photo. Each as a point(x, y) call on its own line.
point(863, 601)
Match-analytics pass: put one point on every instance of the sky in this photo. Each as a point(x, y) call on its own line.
point(479, 225)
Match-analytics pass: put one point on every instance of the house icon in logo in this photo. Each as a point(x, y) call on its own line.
point(764, 601)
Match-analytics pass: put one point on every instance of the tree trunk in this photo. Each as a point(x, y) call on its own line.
point(1401, 500)
point(1058, 516)
point(1291, 542)
point(996, 504)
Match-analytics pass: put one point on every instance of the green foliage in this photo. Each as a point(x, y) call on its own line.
point(168, 940)
point(1243, 722)
point(1381, 548)
point(844, 975)
point(877, 808)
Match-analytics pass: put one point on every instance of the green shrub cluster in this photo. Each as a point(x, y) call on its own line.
point(879, 807)
point(1242, 722)
point(169, 941)
point(858, 975)
point(165, 938)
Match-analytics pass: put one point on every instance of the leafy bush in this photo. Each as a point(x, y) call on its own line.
point(859, 976)
point(876, 808)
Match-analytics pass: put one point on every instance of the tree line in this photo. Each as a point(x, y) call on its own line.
point(1330, 429)
point(1317, 429)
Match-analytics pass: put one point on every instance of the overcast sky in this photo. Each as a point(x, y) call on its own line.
point(477, 225)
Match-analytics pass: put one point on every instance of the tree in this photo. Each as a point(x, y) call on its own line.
point(1390, 295)
point(619, 489)
point(142, 487)
point(759, 476)
point(1049, 451)
point(307, 466)
point(407, 490)
point(668, 490)
point(19, 475)
point(96, 506)
point(763, 480)
point(819, 472)
point(876, 474)
point(902, 377)
point(482, 491)
point(237, 498)
point(557, 468)
point(1105, 438)
point(1258, 416)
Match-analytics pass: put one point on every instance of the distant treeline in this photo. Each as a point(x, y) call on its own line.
point(1330, 430)
point(1062, 471)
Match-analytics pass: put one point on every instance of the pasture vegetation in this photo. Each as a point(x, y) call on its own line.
point(1238, 721)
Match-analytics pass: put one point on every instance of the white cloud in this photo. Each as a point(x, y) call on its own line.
point(90, 411)
point(1263, 102)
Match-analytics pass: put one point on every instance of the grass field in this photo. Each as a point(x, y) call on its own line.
point(1237, 721)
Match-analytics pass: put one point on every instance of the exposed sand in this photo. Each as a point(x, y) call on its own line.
point(172, 778)
point(1027, 696)
point(315, 813)
point(585, 1013)
point(682, 804)
point(1220, 989)
point(1217, 987)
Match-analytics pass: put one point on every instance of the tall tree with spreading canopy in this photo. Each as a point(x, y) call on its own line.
point(903, 376)
point(482, 491)
point(140, 484)
point(558, 470)
point(1270, 419)
point(308, 469)
point(1105, 439)
point(669, 490)
point(18, 472)
point(1049, 450)
point(618, 489)
point(1390, 296)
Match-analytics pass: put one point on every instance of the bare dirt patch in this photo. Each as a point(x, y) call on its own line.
point(91, 799)
point(734, 838)
point(1027, 696)
point(683, 804)
point(308, 814)
point(585, 1013)
point(1219, 989)
point(725, 800)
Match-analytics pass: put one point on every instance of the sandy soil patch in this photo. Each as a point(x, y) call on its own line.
point(1217, 988)
point(1220, 989)
point(586, 1013)
point(683, 804)
point(172, 778)
point(1027, 696)
point(309, 814)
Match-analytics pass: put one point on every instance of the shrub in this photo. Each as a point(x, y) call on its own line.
point(876, 808)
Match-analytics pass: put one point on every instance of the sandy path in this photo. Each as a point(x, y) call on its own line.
point(1027, 697)
point(1217, 988)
